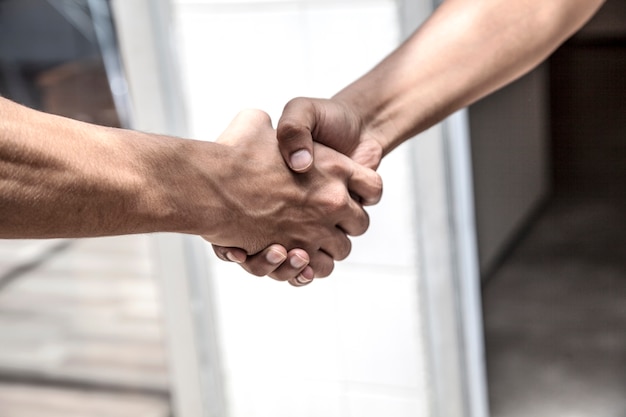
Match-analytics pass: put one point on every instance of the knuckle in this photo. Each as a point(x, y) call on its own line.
point(374, 190)
point(344, 249)
point(337, 199)
point(297, 103)
point(291, 126)
point(256, 115)
point(363, 223)
point(289, 130)
point(323, 268)
point(325, 271)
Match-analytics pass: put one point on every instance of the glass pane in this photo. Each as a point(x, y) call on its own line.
point(80, 320)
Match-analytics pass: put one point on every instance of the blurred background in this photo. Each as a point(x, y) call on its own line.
point(155, 326)
point(80, 320)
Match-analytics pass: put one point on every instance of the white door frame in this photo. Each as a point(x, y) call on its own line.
point(448, 266)
point(448, 270)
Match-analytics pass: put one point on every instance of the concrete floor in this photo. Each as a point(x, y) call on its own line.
point(555, 311)
point(555, 315)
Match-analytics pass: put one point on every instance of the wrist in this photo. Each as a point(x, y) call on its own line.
point(176, 180)
point(371, 113)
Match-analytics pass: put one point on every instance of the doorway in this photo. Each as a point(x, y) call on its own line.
point(555, 304)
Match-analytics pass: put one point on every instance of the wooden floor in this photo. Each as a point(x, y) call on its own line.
point(80, 330)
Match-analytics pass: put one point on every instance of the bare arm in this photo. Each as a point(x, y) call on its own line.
point(64, 178)
point(464, 51)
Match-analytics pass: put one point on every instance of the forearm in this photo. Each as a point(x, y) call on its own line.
point(466, 50)
point(64, 178)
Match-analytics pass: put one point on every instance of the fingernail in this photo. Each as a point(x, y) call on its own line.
point(232, 258)
point(275, 257)
point(302, 279)
point(297, 262)
point(300, 160)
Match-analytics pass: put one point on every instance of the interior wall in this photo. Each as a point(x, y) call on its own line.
point(561, 292)
point(509, 141)
point(588, 106)
point(608, 23)
point(511, 130)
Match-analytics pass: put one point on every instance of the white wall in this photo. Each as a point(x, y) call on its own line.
point(351, 344)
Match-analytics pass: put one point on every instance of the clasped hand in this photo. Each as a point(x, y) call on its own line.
point(272, 210)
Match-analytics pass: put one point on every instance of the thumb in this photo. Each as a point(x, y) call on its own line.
point(293, 132)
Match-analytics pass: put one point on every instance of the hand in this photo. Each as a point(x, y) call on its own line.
point(331, 122)
point(269, 204)
point(303, 121)
point(274, 261)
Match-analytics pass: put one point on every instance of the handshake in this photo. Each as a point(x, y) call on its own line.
point(287, 199)
point(279, 202)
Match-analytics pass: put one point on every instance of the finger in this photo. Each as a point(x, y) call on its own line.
point(362, 181)
point(293, 132)
point(267, 261)
point(304, 278)
point(338, 248)
point(323, 263)
point(366, 184)
point(355, 221)
point(348, 215)
point(236, 255)
point(297, 261)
